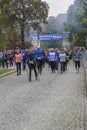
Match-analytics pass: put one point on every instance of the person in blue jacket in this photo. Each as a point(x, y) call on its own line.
point(24, 57)
point(48, 58)
point(39, 54)
point(57, 59)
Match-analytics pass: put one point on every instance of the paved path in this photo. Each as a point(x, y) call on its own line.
point(56, 102)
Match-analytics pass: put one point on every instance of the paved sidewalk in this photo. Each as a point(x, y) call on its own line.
point(56, 102)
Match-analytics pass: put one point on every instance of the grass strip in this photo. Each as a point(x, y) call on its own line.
point(4, 71)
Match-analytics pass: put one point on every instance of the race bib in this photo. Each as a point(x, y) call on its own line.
point(31, 62)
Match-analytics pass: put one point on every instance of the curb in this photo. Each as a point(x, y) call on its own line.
point(85, 94)
point(8, 73)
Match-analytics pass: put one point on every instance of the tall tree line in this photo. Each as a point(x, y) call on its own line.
point(17, 17)
point(77, 23)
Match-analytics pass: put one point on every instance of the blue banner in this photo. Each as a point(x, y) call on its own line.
point(44, 37)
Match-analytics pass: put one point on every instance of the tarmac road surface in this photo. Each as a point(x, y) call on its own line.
point(56, 102)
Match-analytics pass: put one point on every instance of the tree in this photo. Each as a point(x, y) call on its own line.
point(3, 4)
point(24, 13)
point(80, 37)
point(85, 13)
point(75, 17)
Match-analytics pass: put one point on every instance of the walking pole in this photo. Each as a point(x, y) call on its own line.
point(81, 64)
point(27, 72)
point(73, 64)
point(38, 77)
point(35, 65)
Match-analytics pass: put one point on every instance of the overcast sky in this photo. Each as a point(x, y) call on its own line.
point(58, 6)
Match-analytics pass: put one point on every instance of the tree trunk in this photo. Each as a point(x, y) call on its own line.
point(22, 37)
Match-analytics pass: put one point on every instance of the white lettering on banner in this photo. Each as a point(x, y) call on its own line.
point(49, 37)
point(35, 37)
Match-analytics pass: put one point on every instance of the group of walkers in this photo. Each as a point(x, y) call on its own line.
point(34, 59)
point(6, 58)
point(37, 59)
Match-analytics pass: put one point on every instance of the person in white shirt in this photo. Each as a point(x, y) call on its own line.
point(52, 59)
point(62, 58)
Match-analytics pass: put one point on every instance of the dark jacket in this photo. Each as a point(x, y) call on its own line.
point(30, 59)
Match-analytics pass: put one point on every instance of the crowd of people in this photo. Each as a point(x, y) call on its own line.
point(6, 58)
point(37, 59)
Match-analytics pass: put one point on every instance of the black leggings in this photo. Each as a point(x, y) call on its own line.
point(77, 64)
point(63, 65)
point(39, 65)
point(18, 67)
point(32, 66)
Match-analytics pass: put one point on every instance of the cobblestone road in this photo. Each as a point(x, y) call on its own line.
point(56, 102)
